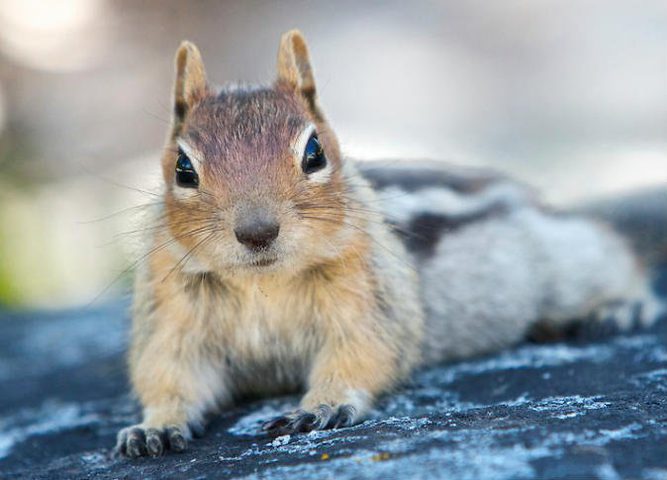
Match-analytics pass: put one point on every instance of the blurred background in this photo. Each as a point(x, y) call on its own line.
point(568, 95)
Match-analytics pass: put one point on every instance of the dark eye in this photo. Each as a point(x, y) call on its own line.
point(313, 156)
point(186, 176)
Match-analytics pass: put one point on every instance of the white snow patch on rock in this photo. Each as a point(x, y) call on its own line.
point(280, 441)
point(534, 357)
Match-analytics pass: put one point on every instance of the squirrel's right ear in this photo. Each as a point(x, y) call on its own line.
point(294, 67)
point(190, 86)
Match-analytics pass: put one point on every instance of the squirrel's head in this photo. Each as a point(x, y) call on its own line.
point(253, 174)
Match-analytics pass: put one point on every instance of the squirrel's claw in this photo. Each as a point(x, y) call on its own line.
point(137, 441)
point(301, 421)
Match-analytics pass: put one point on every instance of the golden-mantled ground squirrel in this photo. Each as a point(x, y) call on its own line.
point(273, 266)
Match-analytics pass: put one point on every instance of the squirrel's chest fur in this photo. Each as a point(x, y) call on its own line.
point(271, 331)
point(266, 330)
point(264, 346)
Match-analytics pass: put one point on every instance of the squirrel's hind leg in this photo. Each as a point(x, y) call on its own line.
point(609, 318)
point(595, 286)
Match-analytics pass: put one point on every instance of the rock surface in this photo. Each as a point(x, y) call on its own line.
point(563, 410)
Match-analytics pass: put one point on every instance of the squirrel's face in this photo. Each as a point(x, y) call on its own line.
point(253, 175)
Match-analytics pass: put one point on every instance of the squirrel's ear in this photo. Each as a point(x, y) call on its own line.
point(190, 85)
point(294, 65)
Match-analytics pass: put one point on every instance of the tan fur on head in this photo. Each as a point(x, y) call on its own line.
point(190, 85)
point(232, 135)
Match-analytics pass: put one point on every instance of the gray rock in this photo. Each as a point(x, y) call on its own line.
point(563, 410)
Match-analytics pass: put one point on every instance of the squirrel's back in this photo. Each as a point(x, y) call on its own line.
point(497, 265)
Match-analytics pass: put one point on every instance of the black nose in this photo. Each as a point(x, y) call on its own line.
point(257, 234)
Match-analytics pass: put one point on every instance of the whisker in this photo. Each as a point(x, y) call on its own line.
point(119, 212)
point(152, 251)
point(190, 252)
point(156, 116)
point(361, 215)
point(370, 237)
point(163, 224)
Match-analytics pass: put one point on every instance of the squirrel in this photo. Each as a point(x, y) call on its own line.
point(276, 265)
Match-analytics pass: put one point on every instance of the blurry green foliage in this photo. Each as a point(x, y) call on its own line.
point(9, 293)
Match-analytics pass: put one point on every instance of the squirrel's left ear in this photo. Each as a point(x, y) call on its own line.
point(294, 66)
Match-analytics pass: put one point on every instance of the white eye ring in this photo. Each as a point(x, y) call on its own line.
point(195, 158)
point(299, 145)
point(192, 153)
point(298, 150)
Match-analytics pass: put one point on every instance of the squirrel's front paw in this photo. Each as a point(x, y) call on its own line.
point(323, 417)
point(139, 440)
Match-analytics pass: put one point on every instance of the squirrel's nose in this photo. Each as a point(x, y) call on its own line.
point(257, 234)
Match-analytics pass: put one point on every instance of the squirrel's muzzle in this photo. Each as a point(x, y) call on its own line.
point(257, 230)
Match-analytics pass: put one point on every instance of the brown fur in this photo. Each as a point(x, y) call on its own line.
point(317, 311)
point(332, 304)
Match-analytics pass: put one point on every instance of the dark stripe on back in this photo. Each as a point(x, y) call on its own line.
point(412, 176)
point(423, 232)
